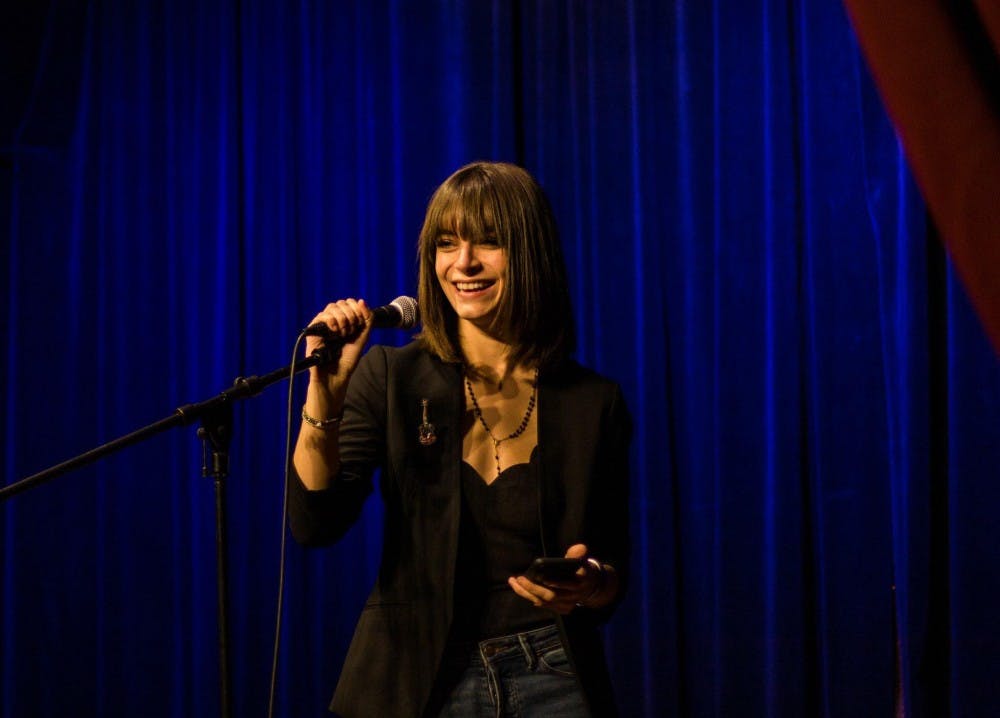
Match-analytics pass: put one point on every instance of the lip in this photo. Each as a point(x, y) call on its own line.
point(473, 288)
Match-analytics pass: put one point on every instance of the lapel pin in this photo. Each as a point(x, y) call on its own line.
point(426, 433)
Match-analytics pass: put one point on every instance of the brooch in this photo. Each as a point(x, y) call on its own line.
point(425, 432)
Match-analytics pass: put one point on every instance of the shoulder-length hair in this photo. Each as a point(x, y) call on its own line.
point(534, 315)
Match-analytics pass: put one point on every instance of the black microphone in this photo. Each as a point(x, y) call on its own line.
point(400, 313)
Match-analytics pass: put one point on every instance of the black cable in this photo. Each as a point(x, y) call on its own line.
point(284, 529)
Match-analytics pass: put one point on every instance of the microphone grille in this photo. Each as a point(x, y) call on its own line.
point(408, 311)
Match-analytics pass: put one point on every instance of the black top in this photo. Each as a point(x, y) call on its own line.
point(499, 536)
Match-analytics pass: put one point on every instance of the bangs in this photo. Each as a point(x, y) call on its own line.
point(467, 209)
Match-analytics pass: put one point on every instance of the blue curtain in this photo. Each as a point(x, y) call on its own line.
point(817, 409)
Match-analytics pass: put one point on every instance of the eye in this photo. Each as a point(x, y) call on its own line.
point(445, 241)
point(490, 239)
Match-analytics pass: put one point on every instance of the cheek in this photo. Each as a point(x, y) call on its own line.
point(501, 273)
point(500, 264)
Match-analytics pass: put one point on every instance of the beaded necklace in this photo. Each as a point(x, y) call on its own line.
point(514, 434)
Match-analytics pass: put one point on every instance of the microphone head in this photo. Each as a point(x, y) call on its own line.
point(401, 313)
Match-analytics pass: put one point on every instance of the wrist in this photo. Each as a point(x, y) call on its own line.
point(325, 395)
point(322, 422)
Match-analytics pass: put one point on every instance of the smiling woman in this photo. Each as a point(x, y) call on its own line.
point(526, 456)
point(496, 206)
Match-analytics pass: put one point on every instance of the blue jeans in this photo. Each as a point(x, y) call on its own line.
point(518, 676)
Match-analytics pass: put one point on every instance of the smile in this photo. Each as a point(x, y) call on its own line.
point(473, 286)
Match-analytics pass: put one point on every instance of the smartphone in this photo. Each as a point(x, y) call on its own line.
point(544, 570)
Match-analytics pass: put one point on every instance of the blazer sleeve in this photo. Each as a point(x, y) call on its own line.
point(607, 523)
point(322, 517)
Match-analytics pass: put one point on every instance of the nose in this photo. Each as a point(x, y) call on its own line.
point(466, 260)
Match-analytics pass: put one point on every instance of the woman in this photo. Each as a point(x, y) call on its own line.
point(494, 448)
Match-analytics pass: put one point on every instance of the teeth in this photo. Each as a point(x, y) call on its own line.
point(471, 286)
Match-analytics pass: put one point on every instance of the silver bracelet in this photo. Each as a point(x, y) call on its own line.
point(320, 423)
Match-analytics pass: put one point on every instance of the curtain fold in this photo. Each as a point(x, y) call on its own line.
point(816, 405)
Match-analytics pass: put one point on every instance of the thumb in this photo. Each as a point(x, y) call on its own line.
point(577, 550)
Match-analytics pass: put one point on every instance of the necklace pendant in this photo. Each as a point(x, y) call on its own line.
point(486, 427)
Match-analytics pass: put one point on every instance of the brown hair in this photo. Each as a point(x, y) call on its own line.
point(534, 315)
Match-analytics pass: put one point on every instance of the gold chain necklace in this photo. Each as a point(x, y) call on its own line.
point(514, 434)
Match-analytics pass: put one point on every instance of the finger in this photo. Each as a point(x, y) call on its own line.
point(339, 319)
point(344, 317)
point(357, 312)
point(523, 592)
point(360, 310)
point(577, 550)
point(331, 317)
point(536, 593)
point(539, 591)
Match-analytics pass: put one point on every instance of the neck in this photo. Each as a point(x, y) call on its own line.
point(487, 356)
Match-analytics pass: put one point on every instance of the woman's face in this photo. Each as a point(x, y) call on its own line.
point(471, 273)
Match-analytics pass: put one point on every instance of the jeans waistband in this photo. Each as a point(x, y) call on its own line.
point(528, 643)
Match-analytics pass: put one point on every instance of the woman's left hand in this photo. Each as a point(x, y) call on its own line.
point(586, 587)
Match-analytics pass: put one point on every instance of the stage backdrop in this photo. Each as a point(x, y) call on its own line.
point(817, 410)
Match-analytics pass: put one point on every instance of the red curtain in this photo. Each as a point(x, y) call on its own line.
point(936, 65)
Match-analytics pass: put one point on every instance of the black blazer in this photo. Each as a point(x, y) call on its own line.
point(583, 433)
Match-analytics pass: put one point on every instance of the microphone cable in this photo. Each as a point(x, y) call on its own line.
point(284, 527)
point(408, 317)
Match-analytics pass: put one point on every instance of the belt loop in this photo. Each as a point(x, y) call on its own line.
point(491, 678)
point(529, 653)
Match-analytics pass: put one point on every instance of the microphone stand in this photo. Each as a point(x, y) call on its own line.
point(216, 417)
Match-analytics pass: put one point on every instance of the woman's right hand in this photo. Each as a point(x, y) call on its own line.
point(317, 455)
point(351, 321)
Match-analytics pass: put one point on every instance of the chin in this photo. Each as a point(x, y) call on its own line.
point(481, 319)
